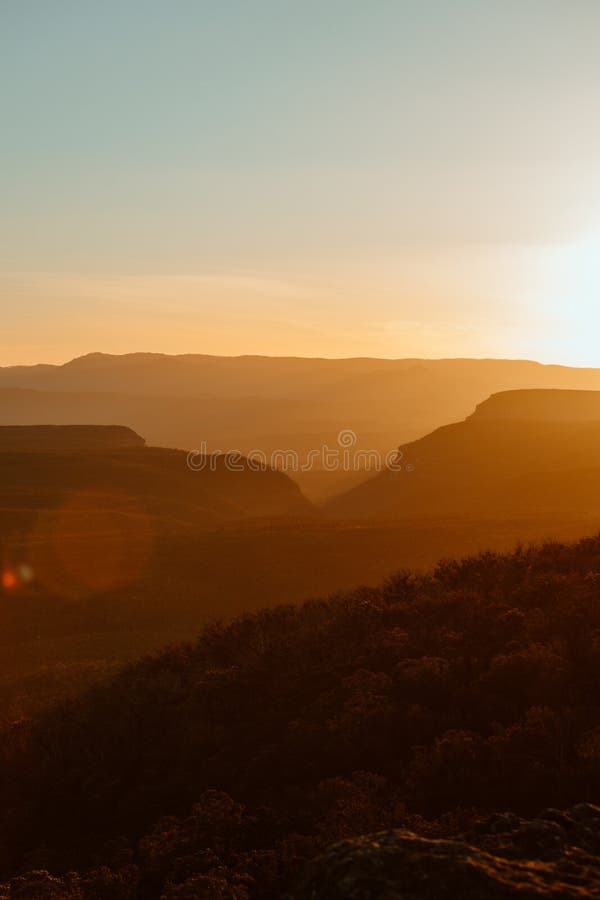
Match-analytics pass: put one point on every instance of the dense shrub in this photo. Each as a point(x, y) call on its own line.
point(469, 689)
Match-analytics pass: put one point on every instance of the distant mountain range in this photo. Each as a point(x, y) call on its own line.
point(197, 375)
point(266, 403)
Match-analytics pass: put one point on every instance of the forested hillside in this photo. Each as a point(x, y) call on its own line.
point(426, 702)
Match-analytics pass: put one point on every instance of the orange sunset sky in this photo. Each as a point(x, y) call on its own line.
point(335, 179)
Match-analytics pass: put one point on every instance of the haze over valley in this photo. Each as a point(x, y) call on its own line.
point(270, 404)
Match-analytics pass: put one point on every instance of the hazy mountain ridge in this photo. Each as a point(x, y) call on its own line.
point(471, 467)
point(275, 377)
point(251, 403)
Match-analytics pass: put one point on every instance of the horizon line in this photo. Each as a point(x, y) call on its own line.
point(297, 357)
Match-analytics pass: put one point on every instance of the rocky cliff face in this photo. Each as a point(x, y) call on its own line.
point(503, 858)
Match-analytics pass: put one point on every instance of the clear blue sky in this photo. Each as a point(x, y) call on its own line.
point(321, 178)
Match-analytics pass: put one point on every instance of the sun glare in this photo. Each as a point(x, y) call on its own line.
point(565, 298)
point(580, 268)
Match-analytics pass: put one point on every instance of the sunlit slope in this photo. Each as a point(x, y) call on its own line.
point(523, 452)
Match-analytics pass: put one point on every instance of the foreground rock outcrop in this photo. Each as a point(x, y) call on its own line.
point(553, 857)
point(504, 857)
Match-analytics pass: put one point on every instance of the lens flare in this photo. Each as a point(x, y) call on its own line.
point(93, 542)
point(9, 579)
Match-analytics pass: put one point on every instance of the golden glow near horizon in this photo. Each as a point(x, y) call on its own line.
point(332, 179)
point(541, 304)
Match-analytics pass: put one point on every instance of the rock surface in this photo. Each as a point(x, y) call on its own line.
point(554, 856)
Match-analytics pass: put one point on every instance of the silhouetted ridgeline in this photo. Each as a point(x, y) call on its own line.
point(54, 466)
point(252, 402)
point(425, 704)
point(272, 376)
point(67, 437)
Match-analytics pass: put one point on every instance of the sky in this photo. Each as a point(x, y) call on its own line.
point(300, 177)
